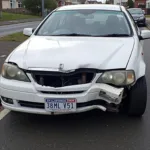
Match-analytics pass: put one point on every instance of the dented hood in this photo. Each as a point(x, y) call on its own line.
point(73, 53)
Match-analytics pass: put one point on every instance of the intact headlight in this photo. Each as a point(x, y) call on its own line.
point(10, 71)
point(117, 78)
point(141, 18)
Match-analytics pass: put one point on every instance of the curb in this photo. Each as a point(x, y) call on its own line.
point(148, 25)
point(17, 22)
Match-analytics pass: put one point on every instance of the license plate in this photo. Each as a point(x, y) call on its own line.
point(60, 105)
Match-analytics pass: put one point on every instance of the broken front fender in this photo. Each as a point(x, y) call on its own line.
point(109, 93)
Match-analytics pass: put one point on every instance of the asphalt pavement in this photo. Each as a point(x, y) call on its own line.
point(94, 130)
point(9, 29)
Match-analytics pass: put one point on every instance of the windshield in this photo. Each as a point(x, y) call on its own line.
point(135, 11)
point(85, 23)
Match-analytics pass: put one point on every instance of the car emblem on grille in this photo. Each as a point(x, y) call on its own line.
point(61, 66)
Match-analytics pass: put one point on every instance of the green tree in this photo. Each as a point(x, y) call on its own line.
point(35, 6)
point(130, 3)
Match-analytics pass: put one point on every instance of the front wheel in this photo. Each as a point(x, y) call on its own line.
point(138, 98)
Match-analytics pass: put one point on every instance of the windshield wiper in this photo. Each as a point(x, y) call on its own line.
point(71, 34)
point(116, 35)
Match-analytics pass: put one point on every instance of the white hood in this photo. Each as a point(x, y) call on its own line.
point(73, 53)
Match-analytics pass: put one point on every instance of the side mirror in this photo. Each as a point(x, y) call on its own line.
point(145, 34)
point(28, 31)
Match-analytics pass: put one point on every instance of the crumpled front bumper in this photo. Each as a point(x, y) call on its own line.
point(98, 92)
point(26, 98)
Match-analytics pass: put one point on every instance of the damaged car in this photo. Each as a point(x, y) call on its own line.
point(79, 58)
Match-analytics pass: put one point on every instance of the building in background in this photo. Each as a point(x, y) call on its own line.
point(10, 4)
point(72, 2)
point(137, 3)
point(93, 2)
point(60, 2)
point(148, 4)
point(122, 2)
point(140, 4)
point(148, 7)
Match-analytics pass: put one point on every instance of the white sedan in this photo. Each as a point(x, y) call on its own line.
point(80, 58)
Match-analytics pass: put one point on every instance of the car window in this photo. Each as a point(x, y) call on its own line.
point(87, 22)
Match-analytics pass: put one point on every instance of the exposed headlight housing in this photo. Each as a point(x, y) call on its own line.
point(119, 78)
point(12, 72)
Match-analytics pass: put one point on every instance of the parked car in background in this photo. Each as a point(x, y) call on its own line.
point(75, 61)
point(144, 12)
point(138, 15)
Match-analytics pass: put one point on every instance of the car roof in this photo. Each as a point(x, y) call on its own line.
point(91, 6)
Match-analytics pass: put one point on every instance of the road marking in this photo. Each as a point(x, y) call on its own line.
point(3, 113)
point(2, 56)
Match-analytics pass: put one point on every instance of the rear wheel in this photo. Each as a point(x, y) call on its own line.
point(137, 98)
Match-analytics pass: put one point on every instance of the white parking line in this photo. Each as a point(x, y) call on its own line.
point(3, 113)
point(2, 56)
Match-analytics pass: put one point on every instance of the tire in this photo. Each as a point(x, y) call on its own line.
point(138, 98)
